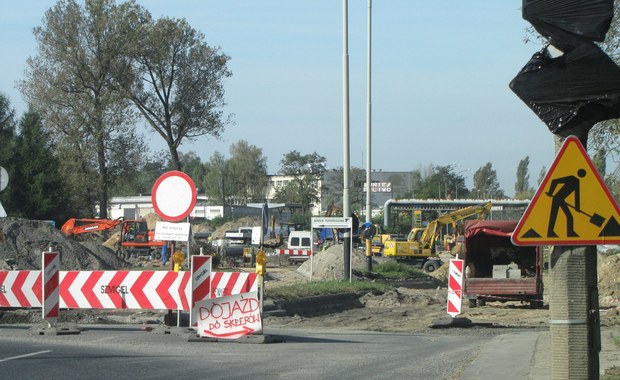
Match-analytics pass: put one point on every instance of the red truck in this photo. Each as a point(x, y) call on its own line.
point(497, 270)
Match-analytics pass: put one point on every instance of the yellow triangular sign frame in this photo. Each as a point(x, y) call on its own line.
point(572, 205)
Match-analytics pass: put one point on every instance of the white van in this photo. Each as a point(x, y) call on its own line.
point(300, 240)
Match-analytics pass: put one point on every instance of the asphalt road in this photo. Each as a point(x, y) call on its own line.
point(108, 352)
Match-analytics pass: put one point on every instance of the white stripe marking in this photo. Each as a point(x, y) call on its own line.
point(25, 355)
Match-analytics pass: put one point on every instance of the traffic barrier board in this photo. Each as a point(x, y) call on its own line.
point(455, 287)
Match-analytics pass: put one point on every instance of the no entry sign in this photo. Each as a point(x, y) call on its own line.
point(173, 196)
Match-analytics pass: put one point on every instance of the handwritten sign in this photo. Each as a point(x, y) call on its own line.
point(230, 317)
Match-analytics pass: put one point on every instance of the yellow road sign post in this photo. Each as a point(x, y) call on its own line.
point(572, 205)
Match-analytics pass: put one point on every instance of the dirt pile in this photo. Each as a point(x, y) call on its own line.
point(23, 240)
point(329, 264)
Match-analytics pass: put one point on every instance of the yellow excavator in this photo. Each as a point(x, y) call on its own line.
point(420, 244)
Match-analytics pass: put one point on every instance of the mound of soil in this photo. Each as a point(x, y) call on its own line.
point(22, 241)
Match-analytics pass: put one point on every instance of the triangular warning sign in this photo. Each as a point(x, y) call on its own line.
point(572, 206)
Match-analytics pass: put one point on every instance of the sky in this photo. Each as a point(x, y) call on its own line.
point(439, 80)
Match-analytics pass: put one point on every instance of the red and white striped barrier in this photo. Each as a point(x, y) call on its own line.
point(150, 290)
point(232, 283)
point(51, 269)
point(455, 287)
point(201, 284)
point(118, 289)
point(296, 252)
point(21, 288)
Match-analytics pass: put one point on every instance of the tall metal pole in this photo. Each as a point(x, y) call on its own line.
point(368, 137)
point(346, 209)
point(369, 118)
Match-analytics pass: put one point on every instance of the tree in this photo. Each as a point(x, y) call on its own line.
point(7, 129)
point(522, 186)
point(541, 175)
point(80, 50)
point(7, 137)
point(250, 171)
point(599, 161)
point(606, 135)
point(218, 180)
point(177, 83)
point(306, 172)
point(37, 190)
point(486, 184)
point(332, 188)
point(442, 182)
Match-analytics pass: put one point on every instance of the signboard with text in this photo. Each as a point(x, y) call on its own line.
point(166, 231)
point(229, 317)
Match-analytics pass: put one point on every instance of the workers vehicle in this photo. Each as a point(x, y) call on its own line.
point(420, 246)
point(497, 270)
point(135, 240)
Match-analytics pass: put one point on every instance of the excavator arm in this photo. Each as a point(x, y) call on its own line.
point(432, 230)
point(76, 226)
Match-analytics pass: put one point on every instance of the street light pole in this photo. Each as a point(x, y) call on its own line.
point(346, 207)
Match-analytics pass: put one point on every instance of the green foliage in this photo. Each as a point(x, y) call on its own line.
point(315, 288)
point(306, 172)
point(394, 269)
point(7, 129)
point(486, 184)
point(68, 81)
point(522, 186)
point(332, 187)
point(177, 82)
point(36, 190)
point(250, 171)
point(440, 183)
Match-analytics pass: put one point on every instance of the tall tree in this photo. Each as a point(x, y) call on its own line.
point(218, 181)
point(522, 186)
point(442, 182)
point(332, 188)
point(486, 184)
point(249, 168)
point(541, 175)
point(7, 139)
point(79, 51)
point(177, 83)
point(37, 190)
point(306, 171)
point(7, 129)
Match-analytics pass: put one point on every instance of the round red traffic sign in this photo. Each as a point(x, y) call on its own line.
point(173, 196)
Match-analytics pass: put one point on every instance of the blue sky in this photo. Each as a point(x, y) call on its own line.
point(440, 74)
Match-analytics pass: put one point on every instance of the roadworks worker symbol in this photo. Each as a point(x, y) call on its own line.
point(572, 206)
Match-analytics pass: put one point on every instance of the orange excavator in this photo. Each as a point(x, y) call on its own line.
point(135, 238)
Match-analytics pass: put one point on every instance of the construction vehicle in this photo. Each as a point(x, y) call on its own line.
point(135, 240)
point(496, 269)
point(420, 246)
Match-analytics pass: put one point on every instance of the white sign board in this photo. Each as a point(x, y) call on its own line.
point(166, 231)
point(230, 317)
point(332, 222)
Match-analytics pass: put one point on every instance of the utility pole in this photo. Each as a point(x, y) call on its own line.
point(346, 165)
point(368, 140)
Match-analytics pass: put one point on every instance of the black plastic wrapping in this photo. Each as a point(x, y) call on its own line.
point(568, 23)
point(572, 92)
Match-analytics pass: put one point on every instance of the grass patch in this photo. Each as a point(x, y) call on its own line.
point(315, 288)
point(394, 269)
